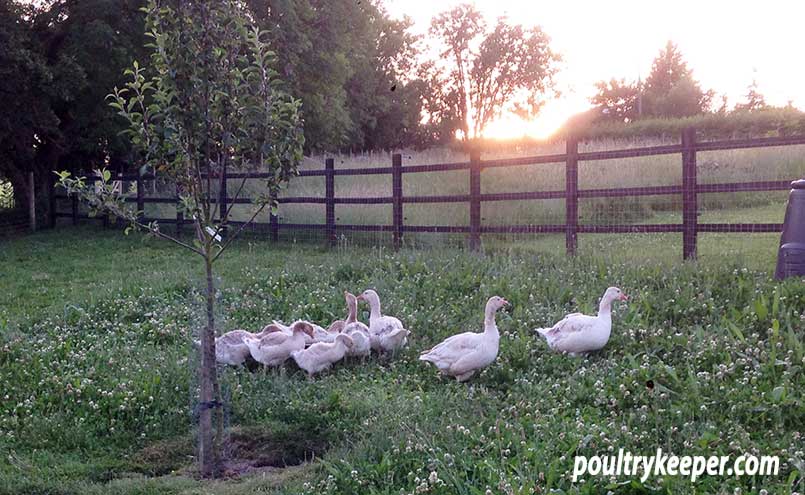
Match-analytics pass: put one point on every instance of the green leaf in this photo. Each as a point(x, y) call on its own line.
point(736, 331)
point(760, 308)
point(778, 394)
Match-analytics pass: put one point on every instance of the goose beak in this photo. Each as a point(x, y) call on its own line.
point(360, 298)
point(624, 297)
point(505, 302)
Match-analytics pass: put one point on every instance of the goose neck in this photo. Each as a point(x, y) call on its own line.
point(352, 315)
point(605, 308)
point(374, 309)
point(490, 325)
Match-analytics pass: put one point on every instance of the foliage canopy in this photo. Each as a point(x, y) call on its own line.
point(482, 72)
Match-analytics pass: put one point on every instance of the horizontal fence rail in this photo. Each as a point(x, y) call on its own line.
point(689, 190)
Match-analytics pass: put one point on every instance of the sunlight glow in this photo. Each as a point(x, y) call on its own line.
point(725, 43)
point(550, 119)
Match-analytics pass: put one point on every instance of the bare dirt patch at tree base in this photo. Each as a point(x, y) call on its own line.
point(250, 450)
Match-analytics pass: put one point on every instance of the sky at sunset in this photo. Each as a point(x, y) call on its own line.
point(726, 44)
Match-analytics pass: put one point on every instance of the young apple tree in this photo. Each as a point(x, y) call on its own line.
point(209, 101)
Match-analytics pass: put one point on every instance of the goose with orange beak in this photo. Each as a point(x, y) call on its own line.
point(578, 333)
point(386, 333)
point(273, 348)
point(462, 355)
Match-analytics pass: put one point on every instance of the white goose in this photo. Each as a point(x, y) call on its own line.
point(338, 325)
point(231, 349)
point(361, 344)
point(462, 355)
point(278, 326)
point(275, 347)
point(578, 333)
point(321, 334)
point(329, 334)
point(322, 355)
point(386, 333)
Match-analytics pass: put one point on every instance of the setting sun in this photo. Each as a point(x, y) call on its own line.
point(726, 44)
point(550, 118)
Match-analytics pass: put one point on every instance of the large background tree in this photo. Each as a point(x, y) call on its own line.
point(481, 73)
point(30, 84)
point(211, 100)
point(58, 59)
point(618, 100)
point(99, 38)
point(349, 63)
point(669, 91)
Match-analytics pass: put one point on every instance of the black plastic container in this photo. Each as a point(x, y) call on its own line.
point(791, 256)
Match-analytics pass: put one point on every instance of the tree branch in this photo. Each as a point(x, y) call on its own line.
point(167, 237)
point(243, 226)
point(228, 210)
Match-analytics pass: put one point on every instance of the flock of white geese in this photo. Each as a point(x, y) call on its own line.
point(315, 348)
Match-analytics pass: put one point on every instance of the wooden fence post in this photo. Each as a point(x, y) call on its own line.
point(179, 214)
point(273, 226)
point(689, 197)
point(52, 206)
point(104, 219)
point(222, 202)
point(329, 193)
point(571, 195)
point(32, 201)
point(140, 197)
point(119, 221)
point(397, 192)
point(475, 199)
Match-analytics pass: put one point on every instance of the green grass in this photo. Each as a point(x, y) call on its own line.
point(97, 369)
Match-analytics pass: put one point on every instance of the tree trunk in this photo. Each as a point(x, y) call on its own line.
point(208, 455)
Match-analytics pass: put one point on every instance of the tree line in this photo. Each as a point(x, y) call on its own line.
point(364, 80)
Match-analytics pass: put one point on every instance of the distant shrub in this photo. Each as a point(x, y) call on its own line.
point(763, 123)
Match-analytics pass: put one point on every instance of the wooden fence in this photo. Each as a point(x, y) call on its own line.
point(689, 189)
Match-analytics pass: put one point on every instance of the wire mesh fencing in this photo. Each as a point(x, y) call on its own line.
point(665, 193)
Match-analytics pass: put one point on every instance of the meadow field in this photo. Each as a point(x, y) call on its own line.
point(98, 385)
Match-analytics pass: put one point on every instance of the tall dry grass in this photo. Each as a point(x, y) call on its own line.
point(778, 163)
